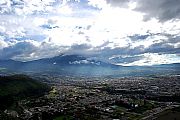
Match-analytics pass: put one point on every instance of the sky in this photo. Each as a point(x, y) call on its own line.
point(121, 32)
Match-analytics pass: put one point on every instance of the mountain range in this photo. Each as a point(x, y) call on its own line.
point(79, 65)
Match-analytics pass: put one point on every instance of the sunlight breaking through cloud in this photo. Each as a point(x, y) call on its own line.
point(103, 28)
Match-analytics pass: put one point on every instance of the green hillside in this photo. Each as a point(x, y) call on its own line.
point(16, 87)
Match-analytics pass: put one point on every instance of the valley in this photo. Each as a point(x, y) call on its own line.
point(92, 98)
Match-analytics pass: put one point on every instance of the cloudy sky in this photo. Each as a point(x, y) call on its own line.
point(123, 32)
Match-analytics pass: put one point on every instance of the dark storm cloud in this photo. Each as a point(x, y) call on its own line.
point(108, 52)
point(27, 50)
point(121, 3)
point(80, 49)
point(173, 39)
point(138, 37)
point(128, 59)
point(162, 48)
point(163, 10)
point(17, 49)
point(80, 46)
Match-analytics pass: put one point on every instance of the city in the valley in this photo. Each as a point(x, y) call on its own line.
point(100, 98)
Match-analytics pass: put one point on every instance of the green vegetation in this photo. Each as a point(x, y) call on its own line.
point(52, 93)
point(16, 87)
point(145, 107)
point(134, 116)
point(121, 109)
point(63, 118)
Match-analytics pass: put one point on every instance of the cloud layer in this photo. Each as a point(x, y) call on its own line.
point(124, 32)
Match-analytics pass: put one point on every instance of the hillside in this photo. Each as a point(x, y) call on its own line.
point(16, 87)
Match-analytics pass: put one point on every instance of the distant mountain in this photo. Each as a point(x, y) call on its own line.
point(80, 65)
point(68, 60)
point(63, 64)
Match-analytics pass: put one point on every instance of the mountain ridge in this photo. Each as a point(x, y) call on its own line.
point(80, 65)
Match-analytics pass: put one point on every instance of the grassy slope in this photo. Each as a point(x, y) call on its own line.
point(17, 87)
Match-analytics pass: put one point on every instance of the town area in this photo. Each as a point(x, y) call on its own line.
point(103, 98)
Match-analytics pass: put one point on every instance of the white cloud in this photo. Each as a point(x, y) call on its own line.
point(3, 44)
point(56, 26)
point(65, 10)
point(98, 3)
point(149, 59)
